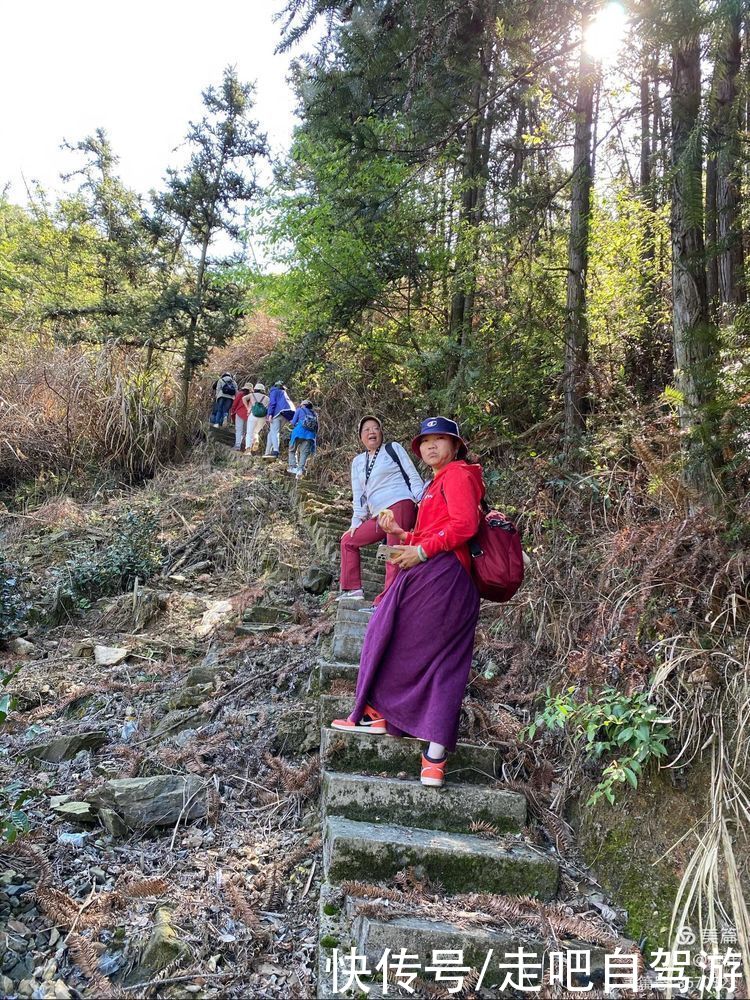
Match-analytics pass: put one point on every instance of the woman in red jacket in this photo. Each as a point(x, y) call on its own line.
point(417, 651)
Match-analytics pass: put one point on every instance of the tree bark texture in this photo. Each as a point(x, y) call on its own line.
point(695, 345)
point(575, 375)
point(731, 262)
point(474, 177)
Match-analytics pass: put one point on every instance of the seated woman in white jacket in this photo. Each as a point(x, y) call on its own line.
point(383, 477)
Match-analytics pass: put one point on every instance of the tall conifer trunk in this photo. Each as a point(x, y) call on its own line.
point(731, 258)
point(575, 378)
point(474, 175)
point(695, 346)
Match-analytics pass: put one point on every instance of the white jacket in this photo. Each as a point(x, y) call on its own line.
point(386, 485)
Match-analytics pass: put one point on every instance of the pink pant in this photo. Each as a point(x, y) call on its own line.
point(368, 533)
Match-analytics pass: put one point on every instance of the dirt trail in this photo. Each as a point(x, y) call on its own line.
point(181, 703)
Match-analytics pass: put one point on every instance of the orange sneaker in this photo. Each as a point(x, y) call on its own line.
point(371, 722)
point(433, 771)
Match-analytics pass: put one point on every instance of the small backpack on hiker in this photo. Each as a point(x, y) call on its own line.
point(310, 422)
point(259, 409)
point(226, 386)
point(497, 560)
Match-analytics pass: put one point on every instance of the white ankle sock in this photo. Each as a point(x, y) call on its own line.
point(435, 751)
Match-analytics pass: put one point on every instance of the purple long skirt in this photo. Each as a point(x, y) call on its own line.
point(417, 651)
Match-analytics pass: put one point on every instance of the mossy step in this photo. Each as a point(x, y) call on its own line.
point(344, 924)
point(314, 512)
point(325, 529)
point(335, 706)
point(421, 936)
point(331, 670)
point(318, 516)
point(372, 571)
point(461, 862)
point(453, 808)
point(308, 487)
point(323, 514)
point(325, 540)
point(361, 753)
point(335, 931)
point(333, 519)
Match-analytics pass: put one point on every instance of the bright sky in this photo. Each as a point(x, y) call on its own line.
point(135, 68)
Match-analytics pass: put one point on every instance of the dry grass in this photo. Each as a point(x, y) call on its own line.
point(64, 409)
point(707, 691)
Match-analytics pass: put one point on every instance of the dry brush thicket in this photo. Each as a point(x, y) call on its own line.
point(72, 409)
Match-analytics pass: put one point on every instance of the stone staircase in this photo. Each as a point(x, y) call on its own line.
point(378, 820)
point(223, 435)
point(327, 516)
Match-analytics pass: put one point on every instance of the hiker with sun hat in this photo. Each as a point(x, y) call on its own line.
point(256, 402)
point(418, 646)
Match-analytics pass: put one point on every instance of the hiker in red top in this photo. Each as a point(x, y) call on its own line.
point(417, 651)
point(239, 413)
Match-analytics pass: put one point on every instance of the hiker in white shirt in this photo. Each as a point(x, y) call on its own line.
point(383, 477)
point(257, 408)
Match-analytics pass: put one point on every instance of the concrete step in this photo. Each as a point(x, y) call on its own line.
point(343, 924)
point(351, 610)
point(335, 706)
point(309, 488)
point(225, 435)
point(360, 753)
point(453, 808)
point(421, 936)
point(333, 516)
point(330, 670)
point(460, 862)
point(373, 570)
point(325, 526)
point(347, 641)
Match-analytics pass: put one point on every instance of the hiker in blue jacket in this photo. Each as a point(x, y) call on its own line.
point(280, 412)
point(304, 436)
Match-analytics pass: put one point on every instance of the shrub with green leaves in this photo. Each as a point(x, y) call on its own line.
point(134, 553)
point(627, 729)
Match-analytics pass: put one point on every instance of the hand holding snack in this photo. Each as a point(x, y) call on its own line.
point(387, 521)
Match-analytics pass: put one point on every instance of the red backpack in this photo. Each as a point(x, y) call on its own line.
point(496, 557)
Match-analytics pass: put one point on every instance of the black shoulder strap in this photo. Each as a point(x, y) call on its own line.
point(392, 453)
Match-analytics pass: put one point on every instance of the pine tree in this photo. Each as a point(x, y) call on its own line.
point(201, 201)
